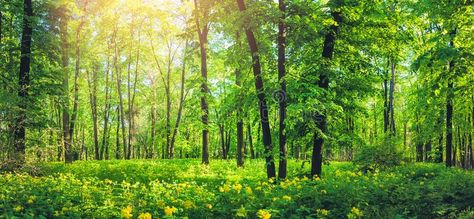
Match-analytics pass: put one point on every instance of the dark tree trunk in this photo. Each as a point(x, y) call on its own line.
point(19, 133)
point(266, 133)
point(318, 139)
point(282, 96)
point(428, 156)
point(391, 99)
point(240, 123)
point(449, 119)
point(439, 149)
point(202, 34)
point(385, 105)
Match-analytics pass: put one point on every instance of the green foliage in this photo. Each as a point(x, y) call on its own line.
point(379, 156)
point(187, 189)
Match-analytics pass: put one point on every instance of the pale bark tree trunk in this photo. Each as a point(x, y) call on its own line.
point(182, 96)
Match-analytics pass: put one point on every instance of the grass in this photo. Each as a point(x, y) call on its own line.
point(185, 188)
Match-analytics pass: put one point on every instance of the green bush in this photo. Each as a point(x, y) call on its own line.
point(378, 157)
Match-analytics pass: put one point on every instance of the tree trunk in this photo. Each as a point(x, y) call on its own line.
point(19, 133)
point(93, 103)
point(391, 100)
point(449, 121)
point(68, 149)
point(181, 97)
point(106, 113)
point(282, 96)
point(240, 123)
point(117, 136)
point(249, 131)
point(318, 138)
point(202, 33)
point(266, 133)
point(121, 104)
point(385, 106)
point(66, 141)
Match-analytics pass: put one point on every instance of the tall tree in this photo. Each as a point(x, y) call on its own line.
point(282, 96)
point(201, 9)
point(257, 71)
point(65, 68)
point(19, 133)
point(321, 118)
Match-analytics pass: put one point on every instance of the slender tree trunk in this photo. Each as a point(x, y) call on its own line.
point(65, 84)
point(318, 138)
point(240, 123)
point(439, 149)
point(153, 124)
point(121, 104)
point(93, 103)
point(106, 113)
point(252, 151)
point(68, 149)
point(449, 112)
point(181, 97)
point(19, 133)
point(202, 33)
point(385, 105)
point(391, 99)
point(117, 136)
point(266, 133)
point(282, 97)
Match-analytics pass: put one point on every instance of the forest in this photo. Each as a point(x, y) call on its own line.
point(236, 109)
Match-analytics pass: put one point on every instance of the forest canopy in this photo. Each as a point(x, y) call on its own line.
point(379, 83)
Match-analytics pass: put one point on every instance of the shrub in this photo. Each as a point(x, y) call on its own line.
point(378, 157)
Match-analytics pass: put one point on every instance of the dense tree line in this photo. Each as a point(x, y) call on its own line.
point(228, 79)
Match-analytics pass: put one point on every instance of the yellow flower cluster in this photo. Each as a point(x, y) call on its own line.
point(263, 214)
point(357, 212)
point(169, 211)
point(145, 215)
point(127, 212)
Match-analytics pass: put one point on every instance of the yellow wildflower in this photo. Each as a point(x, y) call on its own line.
point(322, 212)
point(188, 204)
point(263, 214)
point(286, 198)
point(238, 187)
point(31, 199)
point(357, 212)
point(170, 210)
point(248, 190)
point(145, 215)
point(18, 208)
point(241, 212)
point(127, 212)
point(208, 206)
point(224, 188)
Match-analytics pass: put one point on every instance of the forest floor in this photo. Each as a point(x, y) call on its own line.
point(185, 188)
